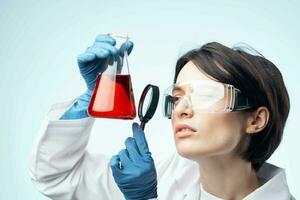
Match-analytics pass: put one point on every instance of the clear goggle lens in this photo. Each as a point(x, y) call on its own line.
point(203, 96)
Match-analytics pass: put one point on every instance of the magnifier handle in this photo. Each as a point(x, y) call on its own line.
point(142, 125)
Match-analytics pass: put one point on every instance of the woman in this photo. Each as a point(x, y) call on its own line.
point(228, 111)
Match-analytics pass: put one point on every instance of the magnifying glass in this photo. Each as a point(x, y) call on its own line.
point(150, 95)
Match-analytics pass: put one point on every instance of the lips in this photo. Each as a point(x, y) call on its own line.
point(184, 130)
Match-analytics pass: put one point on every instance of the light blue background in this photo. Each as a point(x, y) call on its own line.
point(40, 40)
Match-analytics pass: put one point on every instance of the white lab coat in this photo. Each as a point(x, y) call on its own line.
point(62, 169)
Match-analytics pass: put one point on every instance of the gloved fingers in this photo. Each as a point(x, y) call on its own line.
point(115, 162)
point(124, 157)
point(132, 149)
point(99, 52)
point(140, 139)
point(112, 50)
point(86, 57)
point(106, 38)
point(126, 46)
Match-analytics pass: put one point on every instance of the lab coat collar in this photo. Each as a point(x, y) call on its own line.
point(274, 183)
point(273, 179)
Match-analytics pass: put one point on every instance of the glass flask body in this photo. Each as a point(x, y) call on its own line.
point(113, 95)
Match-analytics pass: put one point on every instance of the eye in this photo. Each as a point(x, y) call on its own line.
point(175, 99)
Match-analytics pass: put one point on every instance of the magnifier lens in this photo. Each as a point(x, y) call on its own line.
point(147, 101)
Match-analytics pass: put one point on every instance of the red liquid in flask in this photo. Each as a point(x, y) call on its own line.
point(113, 97)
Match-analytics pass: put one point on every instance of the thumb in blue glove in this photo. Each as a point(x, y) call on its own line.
point(133, 168)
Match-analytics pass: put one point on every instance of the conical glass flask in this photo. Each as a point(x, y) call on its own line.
point(113, 94)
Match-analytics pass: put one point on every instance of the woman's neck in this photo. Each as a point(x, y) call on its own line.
point(227, 177)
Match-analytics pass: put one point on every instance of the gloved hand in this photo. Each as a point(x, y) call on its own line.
point(93, 61)
point(133, 168)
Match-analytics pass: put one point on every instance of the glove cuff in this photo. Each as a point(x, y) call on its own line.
point(79, 109)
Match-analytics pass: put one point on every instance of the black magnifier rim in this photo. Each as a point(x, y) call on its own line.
point(153, 103)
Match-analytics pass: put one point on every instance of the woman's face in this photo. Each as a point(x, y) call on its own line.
point(211, 134)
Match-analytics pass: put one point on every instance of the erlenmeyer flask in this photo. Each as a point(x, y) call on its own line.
point(113, 94)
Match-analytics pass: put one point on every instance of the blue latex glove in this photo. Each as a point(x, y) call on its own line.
point(133, 168)
point(92, 62)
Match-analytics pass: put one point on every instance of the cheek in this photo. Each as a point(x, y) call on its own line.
point(221, 135)
point(216, 134)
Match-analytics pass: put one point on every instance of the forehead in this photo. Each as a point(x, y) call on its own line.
point(191, 72)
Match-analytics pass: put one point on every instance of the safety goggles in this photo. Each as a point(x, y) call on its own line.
point(203, 96)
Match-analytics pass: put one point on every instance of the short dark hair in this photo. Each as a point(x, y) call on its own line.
point(258, 79)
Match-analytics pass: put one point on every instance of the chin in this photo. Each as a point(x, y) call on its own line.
point(188, 150)
point(193, 151)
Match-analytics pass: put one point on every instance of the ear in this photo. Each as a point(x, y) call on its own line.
point(257, 120)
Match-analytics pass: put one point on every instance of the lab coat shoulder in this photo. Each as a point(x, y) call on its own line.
point(60, 166)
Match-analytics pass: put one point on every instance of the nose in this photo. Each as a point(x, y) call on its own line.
point(183, 109)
